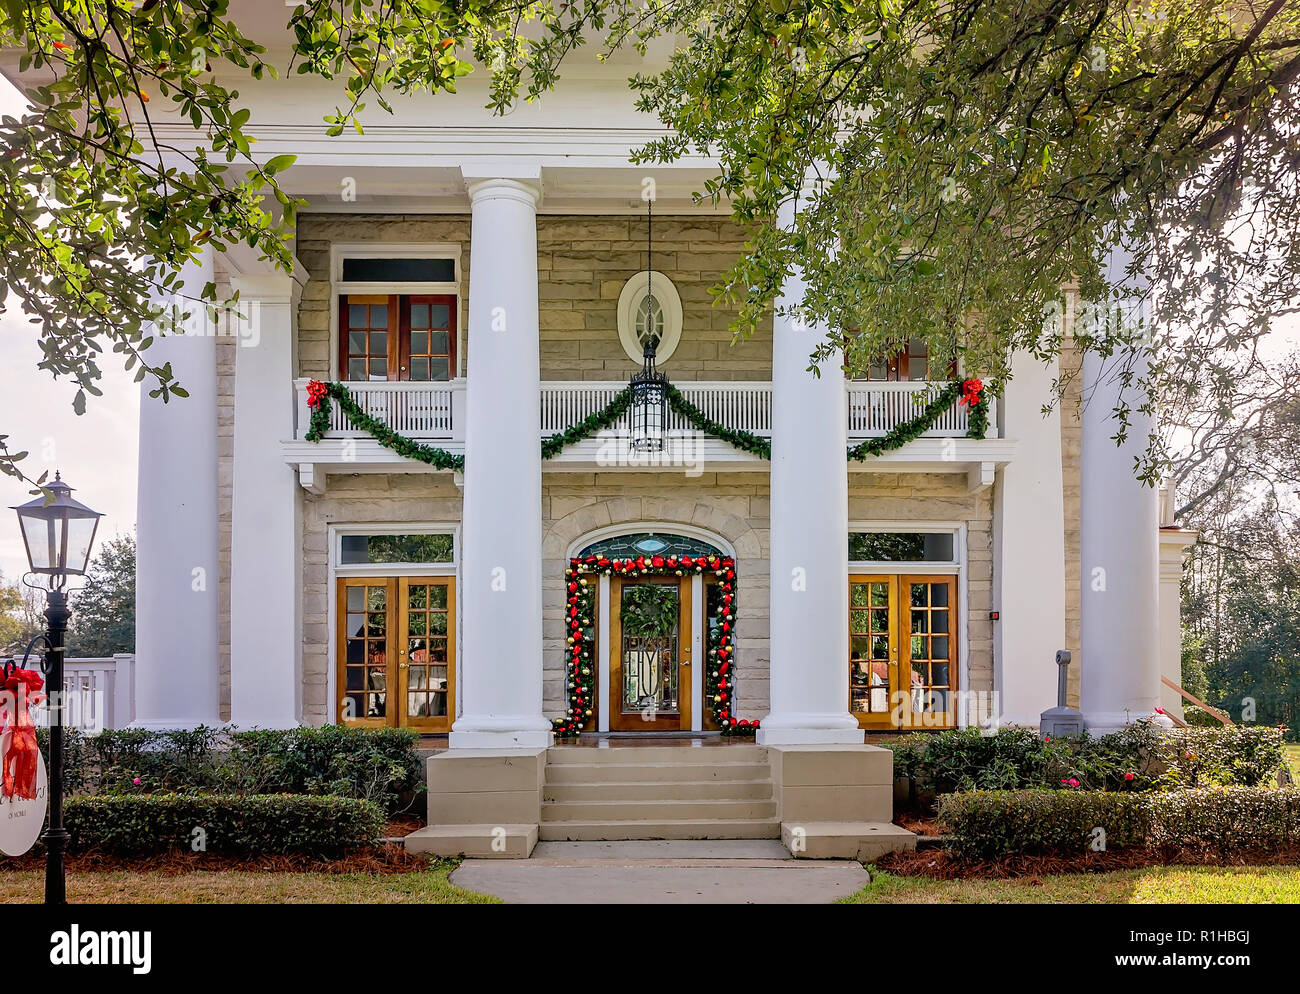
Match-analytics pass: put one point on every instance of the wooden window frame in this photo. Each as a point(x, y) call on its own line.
point(396, 636)
point(399, 332)
point(900, 650)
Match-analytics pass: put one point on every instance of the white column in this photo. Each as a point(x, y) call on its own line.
point(809, 675)
point(1029, 547)
point(1119, 533)
point(265, 547)
point(501, 575)
point(176, 682)
point(1174, 543)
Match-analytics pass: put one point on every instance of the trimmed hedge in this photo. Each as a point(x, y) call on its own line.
point(246, 825)
point(1138, 757)
point(994, 824)
point(379, 765)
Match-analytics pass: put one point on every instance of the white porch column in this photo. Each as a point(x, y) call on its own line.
point(1029, 547)
point(809, 675)
point(266, 533)
point(1119, 534)
point(176, 682)
point(501, 579)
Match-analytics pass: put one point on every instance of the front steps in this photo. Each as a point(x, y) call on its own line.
point(657, 792)
point(820, 801)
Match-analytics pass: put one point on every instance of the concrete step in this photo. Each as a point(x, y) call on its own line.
point(640, 755)
point(700, 828)
point(656, 772)
point(651, 790)
point(660, 809)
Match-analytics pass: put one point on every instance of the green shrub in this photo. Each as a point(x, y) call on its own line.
point(1223, 756)
point(379, 765)
point(993, 824)
point(248, 825)
point(1199, 717)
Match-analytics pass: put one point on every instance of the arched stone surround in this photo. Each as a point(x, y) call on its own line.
point(732, 506)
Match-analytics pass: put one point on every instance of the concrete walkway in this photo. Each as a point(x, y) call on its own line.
point(678, 872)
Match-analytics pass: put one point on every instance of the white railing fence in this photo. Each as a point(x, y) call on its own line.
point(99, 693)
point(436, 411)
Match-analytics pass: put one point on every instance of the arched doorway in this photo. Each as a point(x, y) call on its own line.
point(654, 628)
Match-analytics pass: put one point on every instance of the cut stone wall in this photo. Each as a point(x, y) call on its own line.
point(1071, 474)
point(942, 497)
point(583, 263)
point(361, 499)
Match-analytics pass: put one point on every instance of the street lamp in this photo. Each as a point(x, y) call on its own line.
point(58, 532)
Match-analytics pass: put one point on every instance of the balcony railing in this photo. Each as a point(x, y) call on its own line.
point(436, 410)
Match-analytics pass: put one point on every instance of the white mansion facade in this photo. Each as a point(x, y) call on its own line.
point(478, 284)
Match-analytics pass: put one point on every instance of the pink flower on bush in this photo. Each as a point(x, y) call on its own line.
point(1128, 776)
point(1159, 709)
point(1074, 782)
point(136, 781)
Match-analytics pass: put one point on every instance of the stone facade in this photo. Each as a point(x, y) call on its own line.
point(583, 264)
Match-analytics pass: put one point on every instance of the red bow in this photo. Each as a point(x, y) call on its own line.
point(316, 392)
point(20, 764)
point(970, 392)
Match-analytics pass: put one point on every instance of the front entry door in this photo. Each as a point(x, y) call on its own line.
point(650, 654)
point(396, 641)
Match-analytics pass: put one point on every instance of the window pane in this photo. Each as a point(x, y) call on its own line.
point(441, 316)
point(439, 370)
point(357, 343)
point(356, 315)
point(435, 548)
point(419, 315)
point(379, 369)
point(356, 599)
point(419, 343)
point(356, 369)
point(419, 368)
point(438, 343)
point(378, 316)
point(399, 270)
point(887, 547)
point(939, 594)
point(379, 343)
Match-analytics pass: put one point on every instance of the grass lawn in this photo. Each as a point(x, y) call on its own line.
point(227, 887)
point(1153, 885)
point(1293, 758)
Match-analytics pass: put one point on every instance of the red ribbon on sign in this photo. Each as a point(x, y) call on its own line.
point(970, 392)
point(316, 392)
point(20, 689)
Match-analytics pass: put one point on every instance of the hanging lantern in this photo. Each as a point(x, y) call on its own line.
point(649, 387)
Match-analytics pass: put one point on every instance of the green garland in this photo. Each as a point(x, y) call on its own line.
point(376, 429)
point(976, 427)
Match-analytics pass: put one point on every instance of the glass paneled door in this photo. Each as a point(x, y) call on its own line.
point(396, 649)
point(650, 654)
point(903, 651)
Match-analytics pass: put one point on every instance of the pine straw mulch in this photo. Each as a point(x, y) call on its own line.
point(941, 864)
point(382, 860)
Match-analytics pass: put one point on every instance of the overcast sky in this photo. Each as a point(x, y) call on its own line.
point(95, 452)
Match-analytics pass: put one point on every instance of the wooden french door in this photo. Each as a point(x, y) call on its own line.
point(397, 651)
point(903, 651)
point(649, 654)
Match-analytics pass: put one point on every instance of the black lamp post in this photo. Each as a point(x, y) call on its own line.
point(58, 533)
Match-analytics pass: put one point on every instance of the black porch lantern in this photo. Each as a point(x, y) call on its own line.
point(649, 387)
point(58, 533)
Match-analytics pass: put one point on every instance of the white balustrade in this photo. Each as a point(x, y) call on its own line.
point(430, 410)
point(99, 693)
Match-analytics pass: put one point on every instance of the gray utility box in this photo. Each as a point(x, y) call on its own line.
point(1061, 720)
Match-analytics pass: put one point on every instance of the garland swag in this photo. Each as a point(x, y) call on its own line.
point(580, 613)
point(969, 392)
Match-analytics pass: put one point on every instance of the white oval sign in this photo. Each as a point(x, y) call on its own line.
point(21, 820)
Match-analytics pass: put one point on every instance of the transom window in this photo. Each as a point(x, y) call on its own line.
point(383, 548)
point(902, 547)
point(397, 336)
point(650, 544)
